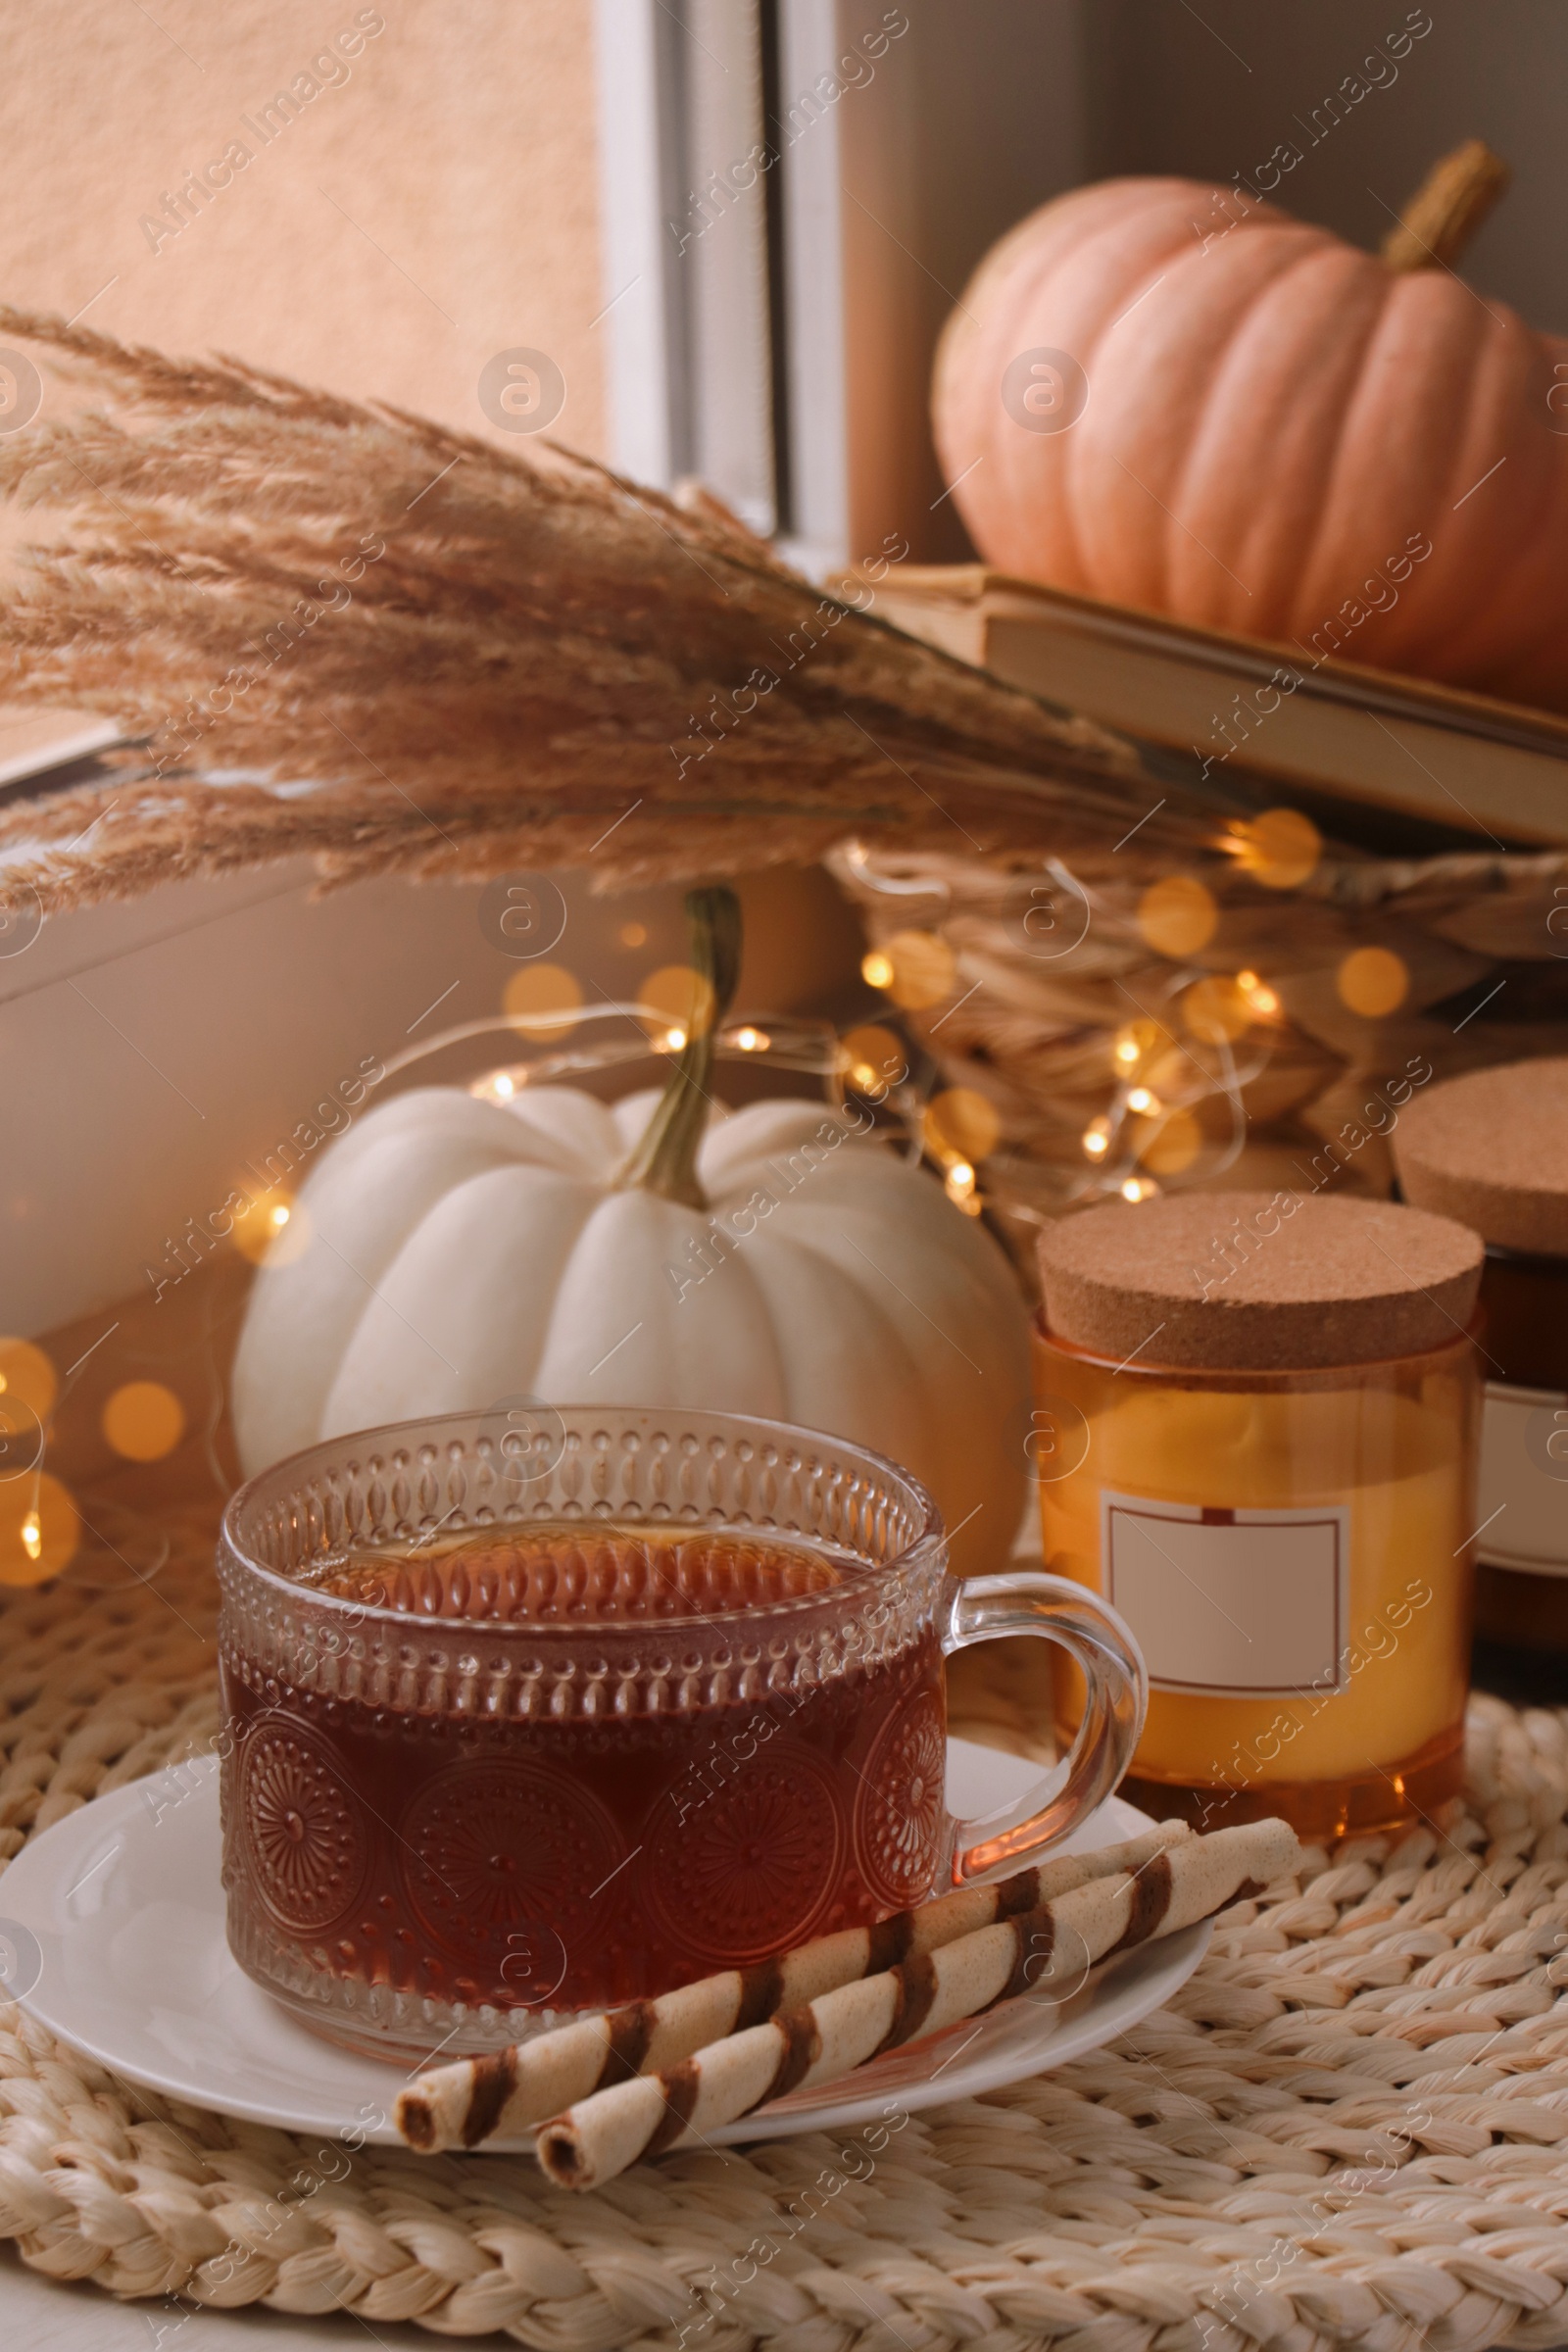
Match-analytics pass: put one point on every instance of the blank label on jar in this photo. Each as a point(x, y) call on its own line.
point(1522, 1513)
point(1231, 1604)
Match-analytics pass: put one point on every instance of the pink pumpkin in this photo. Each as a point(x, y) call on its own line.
point(1169, 394)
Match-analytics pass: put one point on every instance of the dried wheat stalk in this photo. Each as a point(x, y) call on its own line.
point(458, 658)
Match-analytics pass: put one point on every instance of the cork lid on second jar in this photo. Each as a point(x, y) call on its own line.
point(1259, 1281)
point(1492, 1148)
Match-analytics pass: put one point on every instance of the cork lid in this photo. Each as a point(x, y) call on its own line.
point(1261, 1282)
point(1492, 1150)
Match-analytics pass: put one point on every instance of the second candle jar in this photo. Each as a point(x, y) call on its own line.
point(1258, 1422)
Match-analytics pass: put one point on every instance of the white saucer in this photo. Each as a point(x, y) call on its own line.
point(117, 1915)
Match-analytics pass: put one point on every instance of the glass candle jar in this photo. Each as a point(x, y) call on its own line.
point(1492, 1148)
point(1287, 1539)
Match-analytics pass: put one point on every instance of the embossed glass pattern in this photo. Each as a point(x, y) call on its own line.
point(451, 1828)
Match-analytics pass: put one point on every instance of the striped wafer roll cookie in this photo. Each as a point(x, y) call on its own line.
point(475, 2099)
point(1046, 1950)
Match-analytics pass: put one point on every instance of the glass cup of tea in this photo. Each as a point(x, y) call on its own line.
point(533, 1712)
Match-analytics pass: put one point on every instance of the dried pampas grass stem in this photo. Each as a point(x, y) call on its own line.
point(334, 628)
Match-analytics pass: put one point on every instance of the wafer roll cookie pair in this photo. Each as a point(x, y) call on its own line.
point(1038, 1951)
point(475, 2100)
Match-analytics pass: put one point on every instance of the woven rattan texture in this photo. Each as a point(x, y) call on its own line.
point(1351, 2127)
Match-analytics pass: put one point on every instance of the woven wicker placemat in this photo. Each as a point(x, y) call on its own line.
point(1352, 2126)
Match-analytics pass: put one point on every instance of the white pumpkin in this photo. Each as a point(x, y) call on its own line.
point(459, 1252)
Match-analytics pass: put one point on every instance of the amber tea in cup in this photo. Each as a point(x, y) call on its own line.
point(522, 1722)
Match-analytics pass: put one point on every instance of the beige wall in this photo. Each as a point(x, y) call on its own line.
point(165, 1043)
point(436, 206)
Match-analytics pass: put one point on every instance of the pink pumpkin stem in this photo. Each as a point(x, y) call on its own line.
point(1446, 209)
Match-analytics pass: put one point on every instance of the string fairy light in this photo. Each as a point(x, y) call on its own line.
point(40, 1529)
point(961, 1188)
point(1259, 996)
point(271, 1226)
point(915, 968)
point(1281, 849)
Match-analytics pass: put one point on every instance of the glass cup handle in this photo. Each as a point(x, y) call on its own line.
point(985, 1607)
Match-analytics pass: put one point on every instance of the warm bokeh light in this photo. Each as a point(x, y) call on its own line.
point(1259, 996)
point(1169, 1074)
point(1373, 982)
point(873, 1056)
point(959, 1183)
point(1097, 1139)
point(26, 1373)
point(501, 1085)
point(272, 1226)
point(542, 999)
point(21, 1436)
point(1279, 849)
point(633, 934)
point(752, 1040)
point(39, 1530)
point(918, 967)
point(1139, 1187)
point(143, 1420)
point(673, 1041)
point(677, 997)
point(1145, 1104)
point(1129, 1045)
point(1217, 1010)
point(963, 1125)
point(1174, 1150)
point(1177, 916)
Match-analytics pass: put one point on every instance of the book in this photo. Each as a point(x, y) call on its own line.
point(38, 746)
point(1459, 764)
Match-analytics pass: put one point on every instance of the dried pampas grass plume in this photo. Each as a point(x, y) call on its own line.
point(340, 629)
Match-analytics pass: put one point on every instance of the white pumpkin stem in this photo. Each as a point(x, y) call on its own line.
point(666, 1160)
point(1446, 209)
